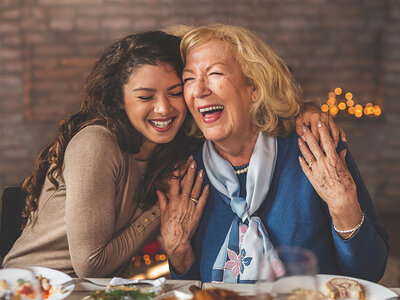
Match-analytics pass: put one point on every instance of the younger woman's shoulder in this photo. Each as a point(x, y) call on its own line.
point(94, 133)
point(93, 138)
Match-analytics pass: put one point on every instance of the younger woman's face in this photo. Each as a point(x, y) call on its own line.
point(153, 101)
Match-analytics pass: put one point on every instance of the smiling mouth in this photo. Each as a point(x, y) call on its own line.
point(211, 109)
point(161, 124)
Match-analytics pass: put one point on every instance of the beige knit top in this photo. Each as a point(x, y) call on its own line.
point(91, 225)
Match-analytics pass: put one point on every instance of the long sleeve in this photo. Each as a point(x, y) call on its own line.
point(364, 255)
point(192, 274)
point(94, 178)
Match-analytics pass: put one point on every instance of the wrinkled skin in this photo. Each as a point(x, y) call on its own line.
point(330, 177)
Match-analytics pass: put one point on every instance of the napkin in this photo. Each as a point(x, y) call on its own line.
point(156, 283)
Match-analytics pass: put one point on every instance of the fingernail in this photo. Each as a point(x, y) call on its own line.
point(191, 157)
point(345, 152)
point(300, 142)
point(303, 137)
point(207, 187)
point(201, 173)
point(319, 124)
point(299, 158)
point(304, 128)
point(192, 164)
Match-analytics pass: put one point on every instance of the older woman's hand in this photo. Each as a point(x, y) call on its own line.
point(180, 214)
point(311, 115)
point(328, 173)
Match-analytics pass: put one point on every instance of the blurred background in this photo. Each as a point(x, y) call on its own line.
point(345, 55)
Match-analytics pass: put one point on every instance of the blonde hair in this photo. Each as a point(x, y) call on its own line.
point(178, 30)
point(278, 95)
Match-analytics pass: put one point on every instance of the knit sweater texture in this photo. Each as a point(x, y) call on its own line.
point(92, 224)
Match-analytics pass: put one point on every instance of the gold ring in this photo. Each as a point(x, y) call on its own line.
point(194, 199)
point(311, 161)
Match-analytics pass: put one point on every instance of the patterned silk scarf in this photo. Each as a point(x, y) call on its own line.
point(246, 247)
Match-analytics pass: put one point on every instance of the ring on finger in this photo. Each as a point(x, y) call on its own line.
point(311, 161)
point(194, 199)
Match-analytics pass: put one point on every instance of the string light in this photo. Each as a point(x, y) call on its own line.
point(342, 106)
point(345, 104)
point(338, 91)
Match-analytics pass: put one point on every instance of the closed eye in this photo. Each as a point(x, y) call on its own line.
point(216, 73)
point(187, 79)
point(145, 98)
point(178, 94)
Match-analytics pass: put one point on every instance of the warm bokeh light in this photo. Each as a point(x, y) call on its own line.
point(349, 96)
point(146, 257)
point(352, 110)
point(368, 104)
point(338, 91)
point(350, 102)
point(377, 111)
point(331, 101)
point(331, 95)
point(333, 110)
point(163, 257)
point(158, 270)
point(324, 108)
point(358, 113)
point(358, 107)
point(147, 262)
point(342, 106)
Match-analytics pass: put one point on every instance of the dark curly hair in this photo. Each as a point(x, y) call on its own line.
point(102, 104)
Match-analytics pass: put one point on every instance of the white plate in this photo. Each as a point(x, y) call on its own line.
point(372, 291)
point(54, 277)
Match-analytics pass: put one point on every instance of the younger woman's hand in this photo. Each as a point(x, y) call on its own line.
point(311, 115)
point(181, 210)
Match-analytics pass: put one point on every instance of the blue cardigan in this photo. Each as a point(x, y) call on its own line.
point(294, 214)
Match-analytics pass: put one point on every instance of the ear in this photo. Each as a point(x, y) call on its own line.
point(254, 94)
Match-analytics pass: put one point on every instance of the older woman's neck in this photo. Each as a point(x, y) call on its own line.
point(237, 152)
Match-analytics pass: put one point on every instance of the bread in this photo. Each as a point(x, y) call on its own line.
point(211, 294)
point(341, 288)
point(219, 294)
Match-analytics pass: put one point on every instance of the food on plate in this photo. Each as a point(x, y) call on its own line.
point(25, 288)
point(215, 293)
point(304, 294)
point(342, 288)
point(47, 289)
point(118, 294)
point(20, 288)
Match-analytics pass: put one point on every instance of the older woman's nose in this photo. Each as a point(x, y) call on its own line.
point(201, 89)
point(163, 106)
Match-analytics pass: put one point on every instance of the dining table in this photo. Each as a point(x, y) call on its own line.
point(83, 289)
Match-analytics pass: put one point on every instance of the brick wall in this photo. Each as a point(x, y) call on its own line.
point(48, 46)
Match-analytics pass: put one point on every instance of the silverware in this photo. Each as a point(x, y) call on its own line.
point(77, 280)
point(68, 283)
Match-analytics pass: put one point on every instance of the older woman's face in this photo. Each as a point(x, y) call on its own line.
point(217, 93)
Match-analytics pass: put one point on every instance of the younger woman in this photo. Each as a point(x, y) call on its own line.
point(85, 212)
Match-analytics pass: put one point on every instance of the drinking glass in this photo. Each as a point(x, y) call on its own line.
point(300, 267)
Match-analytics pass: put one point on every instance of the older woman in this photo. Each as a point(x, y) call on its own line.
point(262, 193)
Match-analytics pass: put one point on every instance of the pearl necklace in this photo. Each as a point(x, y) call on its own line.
point(241, 171)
